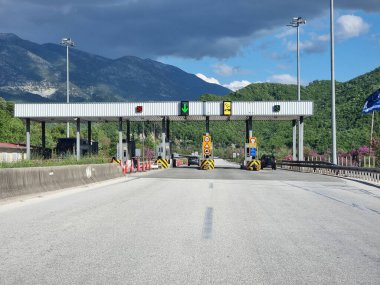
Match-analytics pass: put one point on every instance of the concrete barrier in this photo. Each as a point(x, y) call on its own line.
point(20, 181)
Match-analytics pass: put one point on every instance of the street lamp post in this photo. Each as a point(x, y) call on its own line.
point(295, 23)
point(333, 118)
point(68, 42)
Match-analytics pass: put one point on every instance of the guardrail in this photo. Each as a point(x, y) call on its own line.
point(327, 168)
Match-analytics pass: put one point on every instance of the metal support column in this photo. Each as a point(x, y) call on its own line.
point(28, 139)
point(332, 52)
point(128, 140)
point(250, 132)
point(294, 139)
point(89, 138)
point(78, 139)
point(207, 125)
point(43, 138)
point(167, 130)
point(163, 142)
point(128, 131)
point(246, 131)
point(120, 152)
point(300, 142)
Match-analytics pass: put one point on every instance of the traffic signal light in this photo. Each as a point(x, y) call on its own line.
point(184, 108)
point(227, 108)
point(276, 108)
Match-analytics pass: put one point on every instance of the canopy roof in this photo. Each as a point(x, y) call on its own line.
point(155, 111)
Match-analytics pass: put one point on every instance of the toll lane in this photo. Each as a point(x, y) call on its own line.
point(186, 226)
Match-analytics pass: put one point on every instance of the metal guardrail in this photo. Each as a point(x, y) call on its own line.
point(327, 168)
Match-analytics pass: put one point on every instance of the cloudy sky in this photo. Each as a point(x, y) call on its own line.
point(227, 42)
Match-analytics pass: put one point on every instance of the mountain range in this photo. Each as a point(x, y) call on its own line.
point(30, 72)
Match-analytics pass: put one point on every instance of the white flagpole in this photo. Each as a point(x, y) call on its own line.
point(370, 144)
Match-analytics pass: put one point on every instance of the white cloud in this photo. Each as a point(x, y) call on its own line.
point(350, 26)
point(236, 85)
point(286, 32)
point(347, 26)
point(316, 44)
point(225, 70)
point(208, 79)
point(283, 79)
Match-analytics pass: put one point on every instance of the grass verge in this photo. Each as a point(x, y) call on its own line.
point(56, 162)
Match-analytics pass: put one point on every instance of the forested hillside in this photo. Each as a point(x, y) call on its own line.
point(353, 128)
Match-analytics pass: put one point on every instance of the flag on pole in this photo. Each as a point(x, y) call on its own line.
point(372, 103)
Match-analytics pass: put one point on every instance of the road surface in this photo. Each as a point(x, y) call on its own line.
point(187, 226)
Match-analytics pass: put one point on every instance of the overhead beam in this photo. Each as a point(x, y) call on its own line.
point(154, 111)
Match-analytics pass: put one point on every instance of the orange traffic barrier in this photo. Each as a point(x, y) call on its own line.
point(127, 166)
point(138, 166)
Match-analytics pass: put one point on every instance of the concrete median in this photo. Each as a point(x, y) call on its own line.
point(21, 181)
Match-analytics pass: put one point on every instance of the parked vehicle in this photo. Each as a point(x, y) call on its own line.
point(193, 160)
point(268, 161)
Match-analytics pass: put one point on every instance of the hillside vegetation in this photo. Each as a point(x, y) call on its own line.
point(353, 128)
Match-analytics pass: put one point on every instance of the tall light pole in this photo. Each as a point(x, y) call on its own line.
point(295, 23)
point(68, 42)
point(333, 118)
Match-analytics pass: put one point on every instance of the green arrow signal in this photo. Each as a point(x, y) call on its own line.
point(185, 108)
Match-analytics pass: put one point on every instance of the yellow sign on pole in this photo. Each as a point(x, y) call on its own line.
point(252, 142)
point(207, 145)
point(227, 108)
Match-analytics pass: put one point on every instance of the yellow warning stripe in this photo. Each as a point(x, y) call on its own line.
point(164, 162)
point(254, 165)
point(207, 164)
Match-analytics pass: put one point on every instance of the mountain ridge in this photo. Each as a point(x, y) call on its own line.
point(33, 72)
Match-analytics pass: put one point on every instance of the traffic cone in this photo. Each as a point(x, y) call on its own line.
point(138, 166)
point(127, 167)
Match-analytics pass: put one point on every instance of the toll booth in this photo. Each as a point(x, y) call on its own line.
point(163, 150)
point(124, 155)
point(207, 159)
point(163, 154)
point(250, 160)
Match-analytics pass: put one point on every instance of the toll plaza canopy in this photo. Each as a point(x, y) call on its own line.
point(174, 111)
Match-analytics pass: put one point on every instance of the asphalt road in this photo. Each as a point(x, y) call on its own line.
point(186, 226)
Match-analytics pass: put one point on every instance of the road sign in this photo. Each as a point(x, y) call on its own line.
point(139, 109)
point(252, 142)
point(207, 139)
point(207, 145)
point(227, 108)
point(276, 108)
point(184, 108)
point(253, 151)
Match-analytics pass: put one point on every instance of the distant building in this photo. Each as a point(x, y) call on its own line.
point(10, 152)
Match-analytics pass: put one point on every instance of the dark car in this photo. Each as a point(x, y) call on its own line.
point(268, 161)
point(193, 160)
